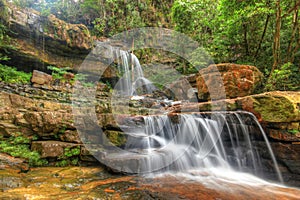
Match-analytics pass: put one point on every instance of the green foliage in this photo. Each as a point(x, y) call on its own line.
point(18, 146)
point(83, 79)
point(23, 3)
point(58, 73)
point(5, 40)
point(11, 75)
point(70, 152)
point(239, 31)
point(62, 130)
point(111, 17)
point(293, 131)
point(67, 162)
point(195, 18)
point(67, 10)
point(45, 11)
point(243, 32)
point(70, 157)
point(286, 77)
point(62, 163)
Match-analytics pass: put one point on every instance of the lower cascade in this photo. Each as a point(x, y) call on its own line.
point(189, 142)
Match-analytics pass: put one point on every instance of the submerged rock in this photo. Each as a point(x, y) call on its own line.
point(96, 183)
point(73, 183)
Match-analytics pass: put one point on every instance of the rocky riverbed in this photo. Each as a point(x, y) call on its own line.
point(96, 183)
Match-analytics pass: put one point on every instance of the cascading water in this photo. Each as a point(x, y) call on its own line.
point(185, 142)
point(132, 81)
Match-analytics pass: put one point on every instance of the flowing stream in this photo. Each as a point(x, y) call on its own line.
point(219, 143)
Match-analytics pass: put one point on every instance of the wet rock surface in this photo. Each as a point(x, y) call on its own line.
point(45, 112)
point(274, 110)
point(96, 183)
point(74, 183)
point(9, 162)
point(184, 188)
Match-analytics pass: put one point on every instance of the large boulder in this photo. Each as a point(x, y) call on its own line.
point(279, 112)
point(238, 81)
point(41, 78)
point(52, 149)
point(273, 107)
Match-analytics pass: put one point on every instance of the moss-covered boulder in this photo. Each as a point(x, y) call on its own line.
point(273, 106)
point(279, 112)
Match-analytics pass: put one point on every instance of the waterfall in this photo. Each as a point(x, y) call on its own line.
point(187, 142)
point(132, 81)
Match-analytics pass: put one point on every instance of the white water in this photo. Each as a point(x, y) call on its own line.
point(194, 144)
point(132, 80)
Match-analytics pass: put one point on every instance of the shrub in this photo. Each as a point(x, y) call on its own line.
point(18, 146)
point(11, 75)
point(287, 77)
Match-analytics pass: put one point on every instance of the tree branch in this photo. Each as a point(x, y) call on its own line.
point(291, 9)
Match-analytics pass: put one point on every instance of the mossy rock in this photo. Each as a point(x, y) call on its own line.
point(116, 137)
point(277, 106)
point(3, 11)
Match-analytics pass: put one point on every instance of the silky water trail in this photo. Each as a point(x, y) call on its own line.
point(206, 147)
point(132, 75)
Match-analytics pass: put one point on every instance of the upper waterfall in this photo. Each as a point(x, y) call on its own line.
point(132, 80)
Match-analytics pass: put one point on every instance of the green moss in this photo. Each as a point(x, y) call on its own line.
point(116, 137)
point(274, 108)
point(70, 157)
point(61, 163)
point(3, 11)
point(73, 151)
point(293, 131)
point(63, 129)
point(18, 146)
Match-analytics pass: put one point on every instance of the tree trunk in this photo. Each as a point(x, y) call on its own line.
point(262, 36)
point(297, 45)
point(246, 40)
point(276, 45)
point(290, 55)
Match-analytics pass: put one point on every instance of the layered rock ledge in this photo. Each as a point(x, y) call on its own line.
point(39, 41)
